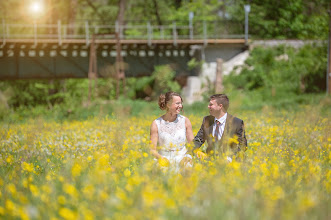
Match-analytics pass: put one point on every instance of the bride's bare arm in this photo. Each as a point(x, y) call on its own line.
point(189, 132)
point(154, 137)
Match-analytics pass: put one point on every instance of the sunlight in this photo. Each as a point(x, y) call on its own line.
point(36, 8)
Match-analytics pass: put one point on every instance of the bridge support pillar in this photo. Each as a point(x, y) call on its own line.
point(192, 90)
point(219, 76)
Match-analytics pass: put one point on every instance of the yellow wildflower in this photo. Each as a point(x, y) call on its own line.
point(76, 169)
point(127, 173)
point(67, 214)
point(27, 167)
point(164, 162)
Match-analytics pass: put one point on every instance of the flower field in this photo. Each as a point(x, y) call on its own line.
point(100, 168)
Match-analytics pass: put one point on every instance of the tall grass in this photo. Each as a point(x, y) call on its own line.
point(100, 168)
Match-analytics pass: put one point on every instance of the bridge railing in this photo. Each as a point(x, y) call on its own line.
point(131, 30)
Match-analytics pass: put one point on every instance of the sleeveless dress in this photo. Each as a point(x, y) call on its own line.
point(172, 140)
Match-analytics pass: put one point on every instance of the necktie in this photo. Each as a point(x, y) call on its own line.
point(217, 130)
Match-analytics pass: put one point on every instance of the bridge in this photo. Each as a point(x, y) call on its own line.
point(55, 51)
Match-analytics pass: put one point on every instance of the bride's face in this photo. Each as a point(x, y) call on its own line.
point(175, 105)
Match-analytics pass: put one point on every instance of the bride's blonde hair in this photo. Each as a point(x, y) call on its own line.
point(164, 99)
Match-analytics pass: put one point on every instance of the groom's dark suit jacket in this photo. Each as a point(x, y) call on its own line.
point(233, 138)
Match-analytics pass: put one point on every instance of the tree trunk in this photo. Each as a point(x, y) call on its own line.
point(178, 3)
point(121, 12)
point(72, 16)
point(157, 13)
point(119, 59)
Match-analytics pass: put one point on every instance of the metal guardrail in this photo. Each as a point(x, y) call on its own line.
point(201, 30)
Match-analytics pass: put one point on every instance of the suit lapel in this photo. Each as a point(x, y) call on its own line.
point(209, 129)
point(227, 126)
point(211, 123)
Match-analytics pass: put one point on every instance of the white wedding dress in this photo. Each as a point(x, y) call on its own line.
point(172, 140)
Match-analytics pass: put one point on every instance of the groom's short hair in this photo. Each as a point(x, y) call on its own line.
point(221, 99)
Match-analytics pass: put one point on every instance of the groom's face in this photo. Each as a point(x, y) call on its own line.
point(214, 108)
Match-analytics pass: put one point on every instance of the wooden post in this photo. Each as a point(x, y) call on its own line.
point(87, 33)
point(174, 33)
point(120, 75)
point(219, 76)
point(149, 33)
point(328, 76)
point(35, 32)
point(59, 32)
point(205, 33)
point(4, 32)
point(92, 73)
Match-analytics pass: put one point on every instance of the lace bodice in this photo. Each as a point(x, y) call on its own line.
point(172, 135)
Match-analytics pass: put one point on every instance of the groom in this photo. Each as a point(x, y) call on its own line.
point(224, 133)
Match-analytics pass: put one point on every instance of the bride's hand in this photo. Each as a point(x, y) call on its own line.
point(186, 162)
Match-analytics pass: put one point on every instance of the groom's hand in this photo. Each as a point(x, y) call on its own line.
point(201, 155)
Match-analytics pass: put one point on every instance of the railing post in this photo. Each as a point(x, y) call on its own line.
point(247, 10)
point(219, 76)
point(35, 32)
point(205, 33)
point(87, 33)
point(149, 33)
point(191, 15)
point(162, 32)
point(3, 32)
point(7, 31)
point(65, 27)
point(191, 31)
point(174, 33)
point(59, 32)
point(120, 27)
point(116, 27)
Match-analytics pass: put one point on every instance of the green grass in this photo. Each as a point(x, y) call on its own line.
point(239, 103)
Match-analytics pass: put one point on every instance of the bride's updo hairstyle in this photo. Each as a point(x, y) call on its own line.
point(164, 99)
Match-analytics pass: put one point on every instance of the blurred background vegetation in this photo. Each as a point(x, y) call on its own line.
point(268, 19)
point(280, 77)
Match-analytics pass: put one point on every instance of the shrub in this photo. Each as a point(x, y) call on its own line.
point(282, 71)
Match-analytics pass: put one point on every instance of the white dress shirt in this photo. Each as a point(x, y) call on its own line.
point(222, 120)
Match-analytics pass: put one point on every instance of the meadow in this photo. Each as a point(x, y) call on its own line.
point(100, 168)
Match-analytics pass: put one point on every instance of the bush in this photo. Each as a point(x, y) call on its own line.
point(277, 73)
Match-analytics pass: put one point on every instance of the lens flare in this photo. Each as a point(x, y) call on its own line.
point(36, 7)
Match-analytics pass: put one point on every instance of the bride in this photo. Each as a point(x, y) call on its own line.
point(170, 132)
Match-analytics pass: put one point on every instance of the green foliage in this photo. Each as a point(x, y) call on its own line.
point(164, 80)
point(295, 19)
point(282, 19)
point(69, 92)
point(202, 9)
point(282, 71)
point(161, 81)
point(72, 93)
point(139, 87)
point(135, 33)
point(193, 63)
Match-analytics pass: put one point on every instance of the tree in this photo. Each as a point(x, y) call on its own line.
point(287, 19)
point(121, 11)
point(72, 15)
